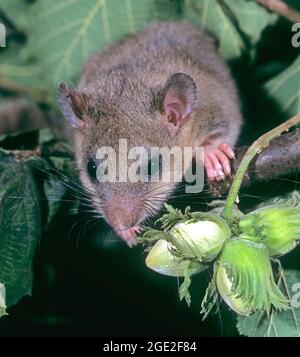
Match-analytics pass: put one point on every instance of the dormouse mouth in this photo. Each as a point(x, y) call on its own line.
point(129, 235)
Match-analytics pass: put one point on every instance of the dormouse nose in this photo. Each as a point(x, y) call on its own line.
point(122, 214)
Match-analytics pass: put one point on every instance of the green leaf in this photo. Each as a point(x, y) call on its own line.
point(251, 18)
point(236, 24)
point(279, 324)
point(23, 198)
point(20, 76)
point(16, 11)
point(16, 74)
point(61, 173)
point(2, 300)
point(64, 33)
point(285, 89)
point(211, 15)
point(20, 224)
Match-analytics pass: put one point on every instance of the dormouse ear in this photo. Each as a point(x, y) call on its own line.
point(177, 100)
point(71, 104)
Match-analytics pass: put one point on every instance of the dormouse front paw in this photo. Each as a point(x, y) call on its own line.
point(217, 162)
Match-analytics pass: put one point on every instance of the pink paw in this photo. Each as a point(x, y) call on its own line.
point(217, 162)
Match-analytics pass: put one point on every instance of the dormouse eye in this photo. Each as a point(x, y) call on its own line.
point(92, 169)
point(155, 166)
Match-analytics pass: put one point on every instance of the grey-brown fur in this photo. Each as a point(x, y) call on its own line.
point(120, 82)
point(118, 96)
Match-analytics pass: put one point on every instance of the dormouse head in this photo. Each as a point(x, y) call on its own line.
point(125, 134)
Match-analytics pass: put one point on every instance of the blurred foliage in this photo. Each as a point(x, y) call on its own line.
point(48, 41)
point(285, 89)
point(20, 226)
point(61, 35)
point(237, 25)
point(282, 324)
point(26, 204)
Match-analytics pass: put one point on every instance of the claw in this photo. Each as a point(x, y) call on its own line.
point(227, 150)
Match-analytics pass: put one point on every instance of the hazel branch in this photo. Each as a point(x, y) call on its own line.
point(255, 149)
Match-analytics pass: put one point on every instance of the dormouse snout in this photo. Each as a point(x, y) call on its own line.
point(124, 215)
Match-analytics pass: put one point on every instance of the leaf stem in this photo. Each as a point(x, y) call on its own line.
point(255, 149)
